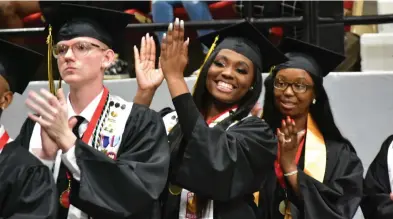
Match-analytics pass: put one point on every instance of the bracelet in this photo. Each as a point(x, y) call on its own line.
point(291, 173)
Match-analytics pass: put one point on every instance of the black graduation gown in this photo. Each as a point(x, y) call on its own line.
point(224, 166)
point(338, 197)
point(376, 201)
point(27, 188)
point(130, 186)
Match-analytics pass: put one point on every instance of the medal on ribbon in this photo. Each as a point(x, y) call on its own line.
point(65, 195)
point(174, 189)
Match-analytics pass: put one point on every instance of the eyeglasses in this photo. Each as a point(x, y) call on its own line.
point(296, 87)
point(79, 49)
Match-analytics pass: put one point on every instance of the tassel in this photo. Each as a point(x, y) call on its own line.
point(49, 41)
point(272, 69)
point(50, 73)
point(212, 47)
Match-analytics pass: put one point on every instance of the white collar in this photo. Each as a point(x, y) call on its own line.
point(88, 112)
point(2, 130)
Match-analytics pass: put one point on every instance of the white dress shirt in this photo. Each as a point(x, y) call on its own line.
point(68, 158)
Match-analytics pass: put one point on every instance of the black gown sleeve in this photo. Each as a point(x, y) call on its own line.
point(133, 182)
point(376, 201)
point(223, 164)
point(339, 196)
point(33, 195)
point(24, 136)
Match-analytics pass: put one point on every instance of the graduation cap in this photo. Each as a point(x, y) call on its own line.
point(71, 20)
point(245, 39)
point(311, 58)
point(67, 21)
point(18, 65)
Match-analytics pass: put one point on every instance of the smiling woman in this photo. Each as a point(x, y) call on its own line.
point(317, 171)
point(301, 84)
point(225, 86)
point(220, 154)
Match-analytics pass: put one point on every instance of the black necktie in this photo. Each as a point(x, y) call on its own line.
point(75, 130)
point(62, 181)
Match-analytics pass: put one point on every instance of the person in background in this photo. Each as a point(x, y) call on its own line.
point(162, 12)
point(27, 188)
point(377, 199)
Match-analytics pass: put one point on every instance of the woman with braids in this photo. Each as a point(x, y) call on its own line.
point(318, 174)
point(220, 154)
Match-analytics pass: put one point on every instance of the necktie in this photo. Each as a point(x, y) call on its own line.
point(75, 130)
point(62, 181)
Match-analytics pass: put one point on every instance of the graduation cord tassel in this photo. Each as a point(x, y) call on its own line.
point(51, 81)
point(212, 47)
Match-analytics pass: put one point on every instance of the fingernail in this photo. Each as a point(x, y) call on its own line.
point(147, 35)
point(143, 38)
point(177, 21)
point(164, 36)
point(293, 121)
point(182, 24)
point(170, 27)
point(288, 118)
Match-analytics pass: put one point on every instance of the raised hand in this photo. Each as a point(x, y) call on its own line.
point(147, 75)
point(174, 51)
point(289, 142)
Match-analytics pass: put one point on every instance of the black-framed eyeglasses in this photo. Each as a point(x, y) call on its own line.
point(79, 49)
point(297, 87)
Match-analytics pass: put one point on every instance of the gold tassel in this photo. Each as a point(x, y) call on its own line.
point(212, 47)
point(50, 73)
point(272, 69)
point(49, 41)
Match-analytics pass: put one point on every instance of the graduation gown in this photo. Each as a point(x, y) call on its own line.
point(130, 186)
point(376, 201)
point(338, 197)
point(27, 188)
point(225, 166)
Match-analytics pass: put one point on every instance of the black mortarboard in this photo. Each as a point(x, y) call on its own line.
point(311, 58)
point(18, 65)
point(71, 20)
point(245, 39)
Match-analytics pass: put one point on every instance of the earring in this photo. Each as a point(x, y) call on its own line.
point(314, 101)
point(251, 88)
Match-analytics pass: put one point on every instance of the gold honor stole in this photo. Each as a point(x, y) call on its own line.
point(315, 158)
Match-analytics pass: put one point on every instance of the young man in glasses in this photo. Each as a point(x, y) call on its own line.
point(110, 157)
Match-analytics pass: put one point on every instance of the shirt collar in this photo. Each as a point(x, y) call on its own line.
point(2, 130)
point(88, 112)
